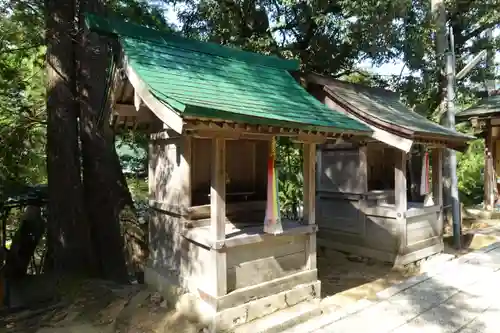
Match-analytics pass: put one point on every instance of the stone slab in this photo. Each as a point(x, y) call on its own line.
point(486, 322)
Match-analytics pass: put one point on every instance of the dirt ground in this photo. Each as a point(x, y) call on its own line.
point(103, 307)
point(95, 306)
point(474, 235)
point(346, 279)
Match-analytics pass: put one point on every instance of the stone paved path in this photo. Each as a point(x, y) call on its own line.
point(459, 296)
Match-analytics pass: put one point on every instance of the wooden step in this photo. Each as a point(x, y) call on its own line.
point(283, 319)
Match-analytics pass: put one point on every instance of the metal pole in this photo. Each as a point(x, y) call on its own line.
point(452, 165)
point(438, 9)
point(490, 65)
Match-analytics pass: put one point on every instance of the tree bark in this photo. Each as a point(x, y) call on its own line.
point(24, 242)
point(68, 232)
point(117, 238)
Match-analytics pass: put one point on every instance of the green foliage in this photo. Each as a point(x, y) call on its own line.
point(365, 78)
point(470, 21)
point(470, 166)
point(330, 37)
point(327, 36)
point(22, 85)
point(132, 150)
point(22, 113)
point(138, 188)
point(140, 12)
point(290, 179)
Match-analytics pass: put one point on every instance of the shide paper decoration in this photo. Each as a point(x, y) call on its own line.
point(272, 223)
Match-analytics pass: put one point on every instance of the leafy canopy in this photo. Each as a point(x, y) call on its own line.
point(330, 37)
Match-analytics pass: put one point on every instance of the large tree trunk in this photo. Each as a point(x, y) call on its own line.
point(117, 239)
point(68, 232)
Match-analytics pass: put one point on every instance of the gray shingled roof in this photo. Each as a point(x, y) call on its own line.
point(385, 107)
point(486, 106)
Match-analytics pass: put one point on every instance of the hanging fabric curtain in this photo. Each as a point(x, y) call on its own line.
point(272, 223)
point(424, 176)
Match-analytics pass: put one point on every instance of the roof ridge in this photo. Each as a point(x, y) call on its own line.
point(119, 27)
point(166, 45)
point(360, 85)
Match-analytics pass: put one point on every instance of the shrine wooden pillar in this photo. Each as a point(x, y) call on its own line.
point(489, 168)
point(218, 216)
point(437, 182)
point(486, 171)
point(310, 201)
point(400, 195)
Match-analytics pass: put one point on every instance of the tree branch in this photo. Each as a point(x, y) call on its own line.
point(21, 48)
point(401, 73)
point(476, 32)
point(349, 72)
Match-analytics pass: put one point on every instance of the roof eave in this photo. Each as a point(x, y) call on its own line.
point(219, 115)
point(164, 112)
point(459, 143)
point(468, 116)
point(486, 107)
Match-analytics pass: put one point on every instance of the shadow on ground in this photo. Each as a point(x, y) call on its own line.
point(346, 278)
point(461, 298)
point(457, 298)
point(93, 306)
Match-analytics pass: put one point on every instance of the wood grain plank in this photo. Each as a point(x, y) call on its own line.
point(265, 269)
point(423, 227)
point(276, 246)
point(161, 110)
point(401, 200)
point(437, 181)
point(310, 201)
point(382, 233)
point(218, 214)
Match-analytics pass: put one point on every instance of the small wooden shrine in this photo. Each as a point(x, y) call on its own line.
point(485, 119)
point(214, 114)
point(364, 201)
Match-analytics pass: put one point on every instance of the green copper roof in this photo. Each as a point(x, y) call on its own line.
point(214, 81)
point(486, 106)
